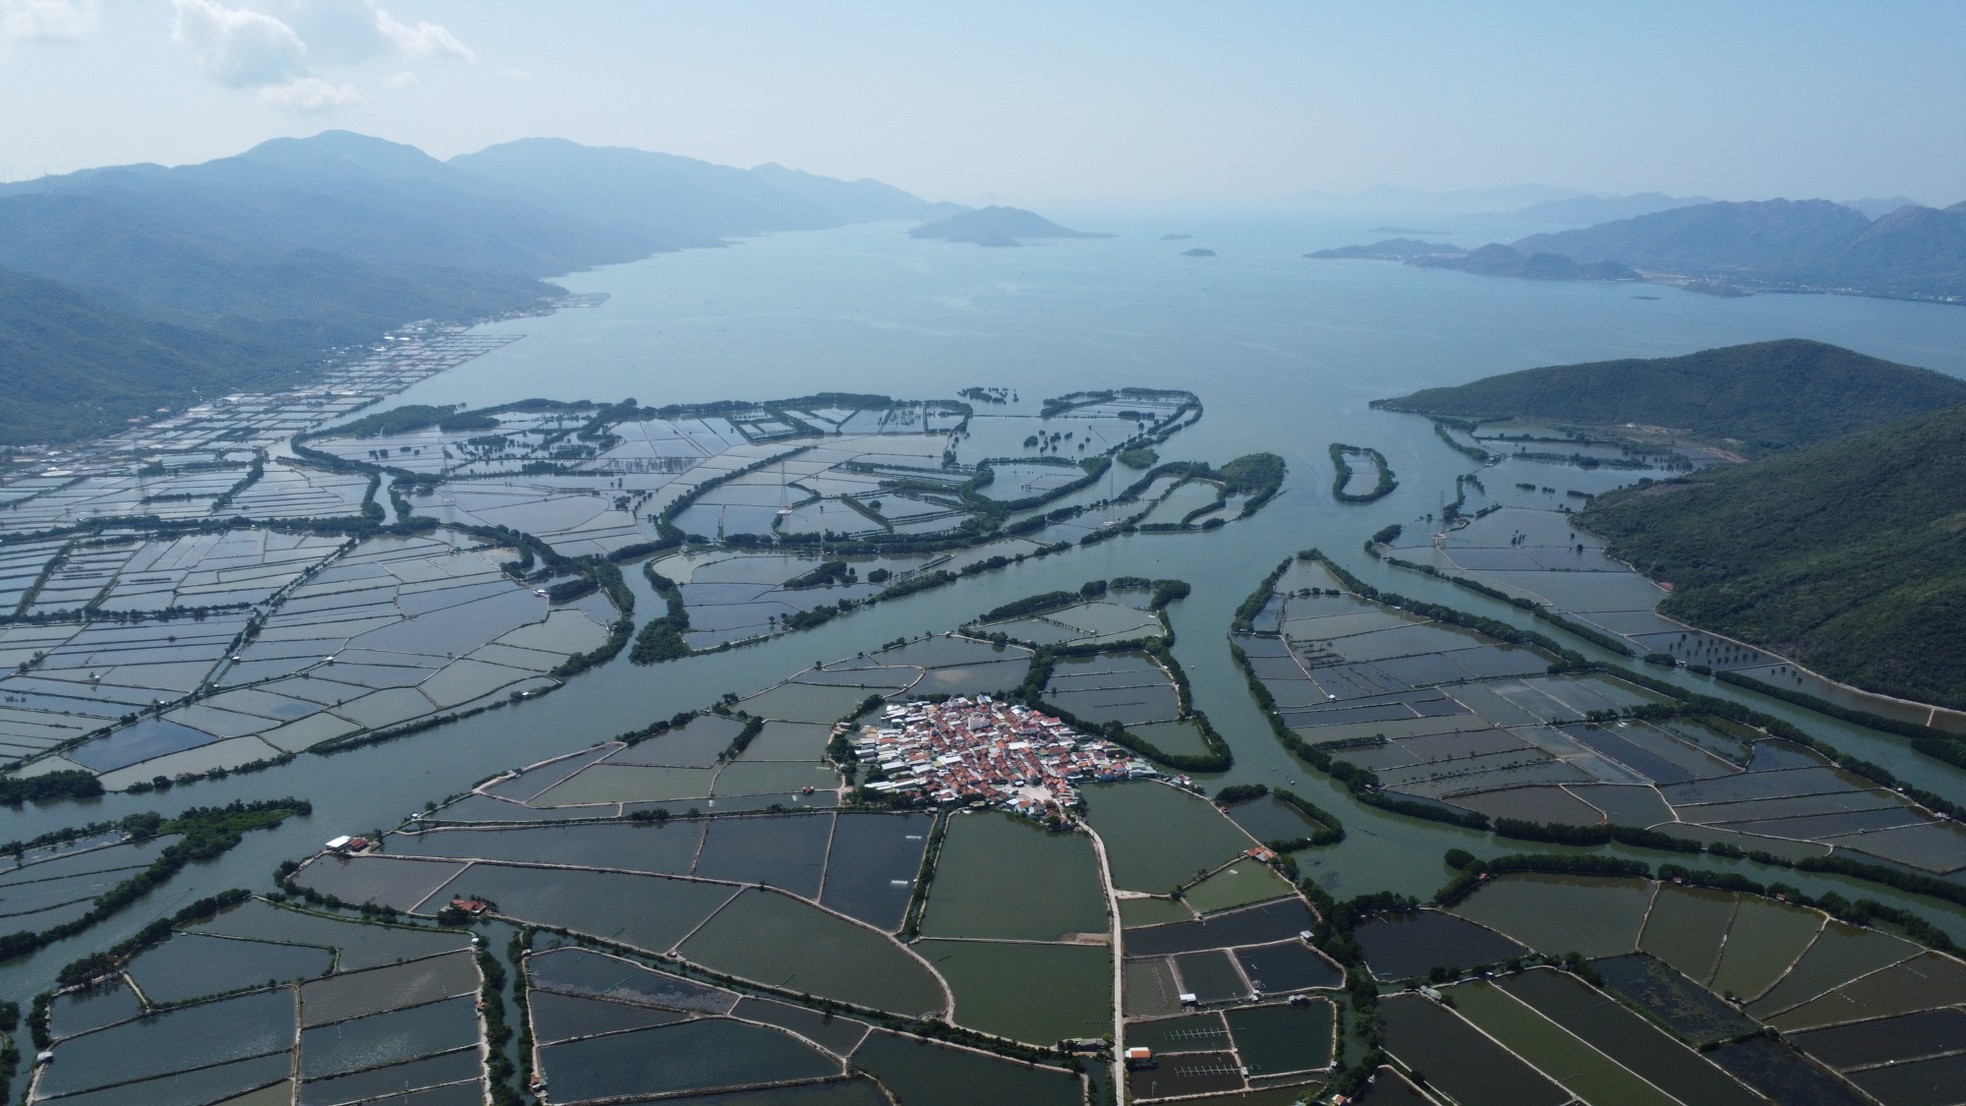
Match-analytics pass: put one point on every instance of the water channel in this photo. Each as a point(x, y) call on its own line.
point(1284, 352)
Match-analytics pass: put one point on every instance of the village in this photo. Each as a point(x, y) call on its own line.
point(979, 751)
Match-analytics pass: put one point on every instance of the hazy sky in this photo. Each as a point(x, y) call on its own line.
point(1154, 103)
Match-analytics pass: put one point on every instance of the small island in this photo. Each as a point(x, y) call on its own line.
point(1175, 237)
point(1383, 481)
point(1490, 260)
point(997, 226)
point(1198, 252)
point(1496, 259)
point(1392, 249)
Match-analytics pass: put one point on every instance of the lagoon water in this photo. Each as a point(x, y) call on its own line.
point(1284, 352)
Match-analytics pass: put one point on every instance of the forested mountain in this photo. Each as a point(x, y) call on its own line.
point(71, 366)
point(1849, 556)
point(1911, 252)
point(1765, 236)
point(1914, 251)
point(299, 242)
point(1765, 397)
point(681, 201)
point(272, 256)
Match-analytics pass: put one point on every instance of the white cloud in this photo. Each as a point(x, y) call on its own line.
point(47, 20)
point(309, 96)
point(238, 47)
point(337, 32)
point(289, 49)
point(350, 32)
point(425, 40)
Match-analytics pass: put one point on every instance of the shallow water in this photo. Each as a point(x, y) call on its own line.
point(921, 1074)
point(1158, 838)
point(230, 1029)
point(871, 870)
point(696, 1055)
point(359, 994)
point(1555, 915)
point(996, 983)
point(1403, 946)
point(782, 942)
point(192, 965)
point(1001, 877)
point(1284, 352)
point(388, 1038)
point(788, 852)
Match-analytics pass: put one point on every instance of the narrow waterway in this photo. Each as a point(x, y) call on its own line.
point(1284, 353)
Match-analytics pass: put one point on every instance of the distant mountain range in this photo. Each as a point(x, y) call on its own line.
point(680, 201)
point(997, 226)
point(269, 258)
point(1415, 201)
point(1875, 208)
point(71, 366)
point(1526, 205)
point(1775, 245)
point(1914, 252)
point(1584, 211)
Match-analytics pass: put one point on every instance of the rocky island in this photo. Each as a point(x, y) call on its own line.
point(997, 226)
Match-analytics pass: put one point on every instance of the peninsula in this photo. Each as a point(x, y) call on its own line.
point(1844, 556)
point(1758, 398)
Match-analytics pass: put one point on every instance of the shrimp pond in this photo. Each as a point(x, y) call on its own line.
point(591, 702)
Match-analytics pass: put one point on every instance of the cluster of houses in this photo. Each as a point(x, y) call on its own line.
point(972, 751)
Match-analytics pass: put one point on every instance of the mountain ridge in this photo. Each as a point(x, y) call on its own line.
point(1765, 396)
point(299, 245)
point(94, 367)
point(1913, 252)
point(1847, 556)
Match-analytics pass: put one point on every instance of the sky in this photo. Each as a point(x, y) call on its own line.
point(1139, 102)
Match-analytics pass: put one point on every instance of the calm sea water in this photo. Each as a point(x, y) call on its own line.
point(1256, 329)
point(1284, 352)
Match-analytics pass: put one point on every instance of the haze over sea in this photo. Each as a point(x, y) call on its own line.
point(1258, 331)
point(1285, 353)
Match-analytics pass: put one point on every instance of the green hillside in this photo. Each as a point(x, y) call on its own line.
point(1849, 556)
point(1768, 396)
point(159, 286)
point(1913, 251)
point(71, 366)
